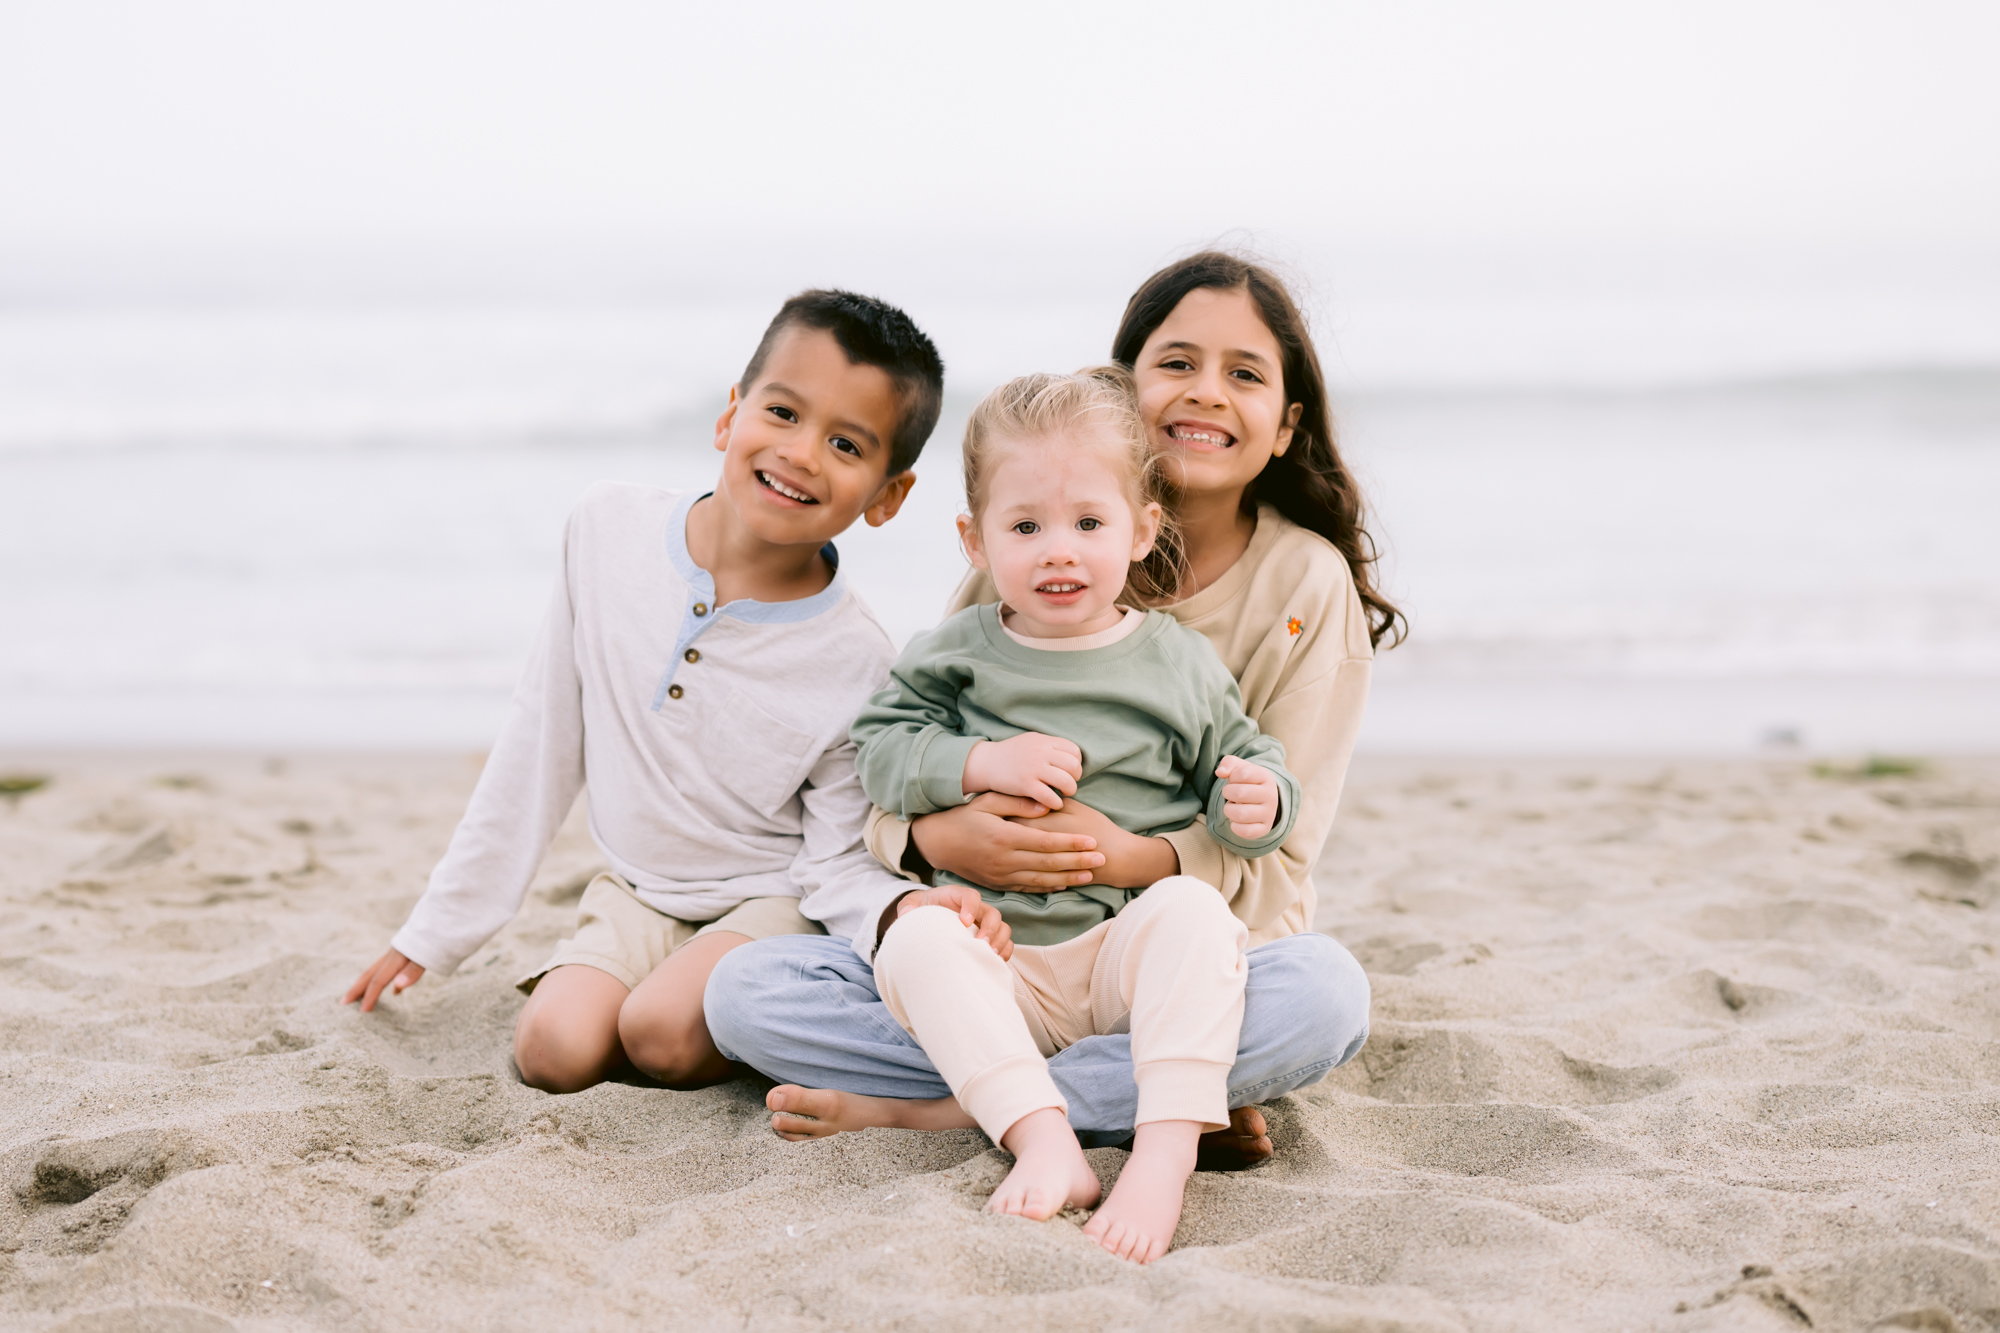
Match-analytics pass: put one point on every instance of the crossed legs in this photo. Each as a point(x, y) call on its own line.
point(804, 1010)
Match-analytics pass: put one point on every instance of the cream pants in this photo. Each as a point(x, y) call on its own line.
point(1169, 969)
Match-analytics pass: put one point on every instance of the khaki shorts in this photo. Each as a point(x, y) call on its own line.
point(618, 934)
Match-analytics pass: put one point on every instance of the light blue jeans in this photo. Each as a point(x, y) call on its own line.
point(803, 1009)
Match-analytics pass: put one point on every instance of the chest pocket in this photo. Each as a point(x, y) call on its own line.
point(754, 757)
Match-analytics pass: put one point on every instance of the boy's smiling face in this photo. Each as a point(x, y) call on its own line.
point(806, 447)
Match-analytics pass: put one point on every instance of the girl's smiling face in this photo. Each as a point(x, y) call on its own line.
point(1212, 394)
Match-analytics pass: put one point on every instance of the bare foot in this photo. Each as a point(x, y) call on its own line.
point(1243, 1145)
point(813, 1113)
point(1137, 1222)
point(1049, 1171)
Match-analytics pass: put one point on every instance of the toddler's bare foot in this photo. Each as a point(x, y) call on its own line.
point(1049, 1171)
point(1137, 1222)
point(813, 1113)
point(1243, 1145)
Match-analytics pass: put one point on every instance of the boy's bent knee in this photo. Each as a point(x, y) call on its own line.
point(550, 1058)
point(671, 1050)
point(566, 1038)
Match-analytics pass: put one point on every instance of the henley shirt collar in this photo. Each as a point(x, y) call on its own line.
point(701, 585)
point(699, 611)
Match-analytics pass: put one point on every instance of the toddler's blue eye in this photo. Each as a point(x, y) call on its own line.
point(1027, 527)
point(1090, 524)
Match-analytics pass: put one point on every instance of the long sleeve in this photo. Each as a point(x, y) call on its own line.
point(888, 832)
point(531, 780)
point(1316, 718)
point(1318, 722)
point(843, 887)
point(1235, 734)
point(912, 757)
point(889, 842)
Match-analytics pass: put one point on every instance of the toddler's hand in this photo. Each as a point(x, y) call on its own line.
point(972, 909)
point(1041, 768)
point(391, 970)
point(1250, 801)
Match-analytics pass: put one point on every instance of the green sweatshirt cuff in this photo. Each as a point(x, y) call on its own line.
point(1288, 814)
point(937, 773)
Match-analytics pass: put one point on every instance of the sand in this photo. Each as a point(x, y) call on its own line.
point(1681, 1047)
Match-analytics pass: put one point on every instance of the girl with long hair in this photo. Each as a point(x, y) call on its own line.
point(1275, 568)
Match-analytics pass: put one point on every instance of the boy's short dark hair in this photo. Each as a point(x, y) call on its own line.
point(872, 333)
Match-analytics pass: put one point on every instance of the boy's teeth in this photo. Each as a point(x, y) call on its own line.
point(784, 490)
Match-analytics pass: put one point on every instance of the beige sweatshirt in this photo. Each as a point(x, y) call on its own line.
point(1287, 622)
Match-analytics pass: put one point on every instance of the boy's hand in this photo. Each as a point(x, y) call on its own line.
point(972, 909)
point(1041, 768)
point(1250, 801)
point(391, 970)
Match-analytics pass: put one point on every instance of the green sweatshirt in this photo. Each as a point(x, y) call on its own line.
point(1153, 713)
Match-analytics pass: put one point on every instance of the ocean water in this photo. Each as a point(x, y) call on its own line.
point(335, 526)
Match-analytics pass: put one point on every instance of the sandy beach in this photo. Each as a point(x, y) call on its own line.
point(1677, 1046)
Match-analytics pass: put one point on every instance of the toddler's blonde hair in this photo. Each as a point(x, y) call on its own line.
point(1096, 407)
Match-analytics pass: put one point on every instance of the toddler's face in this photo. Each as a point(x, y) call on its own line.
point(1058, 536)
point(1211, 391)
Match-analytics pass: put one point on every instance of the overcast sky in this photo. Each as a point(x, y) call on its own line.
point(150, 122)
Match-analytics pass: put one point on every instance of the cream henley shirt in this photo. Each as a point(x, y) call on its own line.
point(714, 741)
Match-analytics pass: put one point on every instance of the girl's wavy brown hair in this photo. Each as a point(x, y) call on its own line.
point(1096, 407)
point(1308, 483)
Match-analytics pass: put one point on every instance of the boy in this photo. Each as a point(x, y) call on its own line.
point(699, 666)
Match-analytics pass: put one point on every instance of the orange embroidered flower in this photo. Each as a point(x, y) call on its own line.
point(1296, 626)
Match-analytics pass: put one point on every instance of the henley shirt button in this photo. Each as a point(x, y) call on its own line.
point(693, 656)
point(701, 608)
point(673, 691)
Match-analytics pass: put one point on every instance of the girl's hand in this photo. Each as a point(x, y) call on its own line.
point(1250, 801)
point(980, 841)
point(392, 970)
point(973, 910)
point(1131, 860)
point(1042, 768)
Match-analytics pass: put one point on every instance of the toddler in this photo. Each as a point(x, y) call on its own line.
point(1064, 688)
